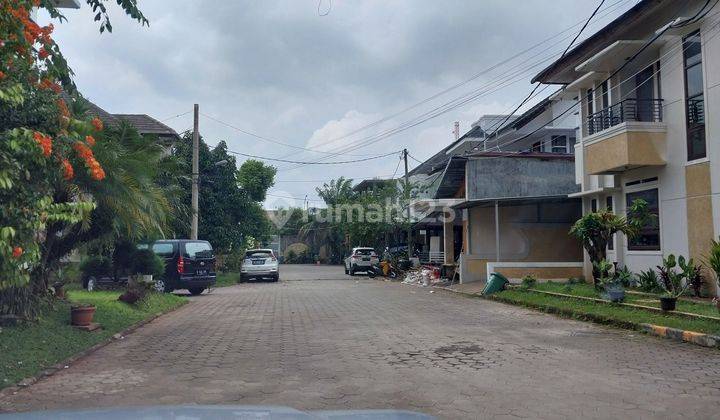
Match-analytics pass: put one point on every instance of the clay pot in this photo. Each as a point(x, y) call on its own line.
point(668, 303)
point(82, 315)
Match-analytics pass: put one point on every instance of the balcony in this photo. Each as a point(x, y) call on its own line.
point(627, 135)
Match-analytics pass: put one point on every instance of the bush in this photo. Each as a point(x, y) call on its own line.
point(233, 261)
point(95, 266)
point(528, 281)
point(648, 281)
point(147, 262)
point(123, 256)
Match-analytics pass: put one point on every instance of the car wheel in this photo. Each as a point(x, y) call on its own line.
point(346, 270)
point(91, 284)
point(352, 270)
point(276, 277)
point(161, 286)
point(242, 279)
point(196, 290)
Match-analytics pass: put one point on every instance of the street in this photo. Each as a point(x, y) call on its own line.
point(319, 339)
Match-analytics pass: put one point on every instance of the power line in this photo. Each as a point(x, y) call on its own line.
point(473, 77)
point(175, 116)
point(587, 22)
point(415, 159)
point(258, 136)
point(312, 163)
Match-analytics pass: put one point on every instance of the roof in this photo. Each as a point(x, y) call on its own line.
point(514, 201)
point(635, 22)
point(368, 184)
point(146, 124)
point(527, 116)
point(452, 178)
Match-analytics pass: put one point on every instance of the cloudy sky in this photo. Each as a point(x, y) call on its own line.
point(334, 78)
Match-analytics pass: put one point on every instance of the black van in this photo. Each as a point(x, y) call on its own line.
point(189, 264)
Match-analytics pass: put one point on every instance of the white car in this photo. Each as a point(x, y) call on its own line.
point(258, 264)
point(361, 259)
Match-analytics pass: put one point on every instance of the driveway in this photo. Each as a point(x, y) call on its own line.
point(360, 343)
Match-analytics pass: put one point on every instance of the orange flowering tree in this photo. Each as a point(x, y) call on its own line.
point(41, 143)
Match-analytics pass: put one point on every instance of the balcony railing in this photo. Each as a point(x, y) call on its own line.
point(432, 257)
point(641, 110)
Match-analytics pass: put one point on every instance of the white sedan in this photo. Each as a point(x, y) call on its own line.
point(258, 264)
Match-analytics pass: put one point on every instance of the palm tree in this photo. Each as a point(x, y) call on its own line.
point(337, 191)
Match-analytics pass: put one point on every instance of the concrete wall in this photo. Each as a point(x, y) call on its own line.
point(508, 177)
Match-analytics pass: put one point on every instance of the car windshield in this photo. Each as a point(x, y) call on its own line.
point(365, 251)
point(198, 250)
point(258, 254)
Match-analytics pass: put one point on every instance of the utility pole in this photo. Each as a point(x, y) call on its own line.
point(195, 173)
point(407, 202)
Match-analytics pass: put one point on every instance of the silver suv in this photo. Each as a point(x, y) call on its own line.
point(258, 264)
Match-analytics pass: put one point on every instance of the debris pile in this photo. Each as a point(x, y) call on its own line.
point(424, 276)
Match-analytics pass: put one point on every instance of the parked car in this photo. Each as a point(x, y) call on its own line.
point(189, 264)
point(361, 259)
point(258, 264)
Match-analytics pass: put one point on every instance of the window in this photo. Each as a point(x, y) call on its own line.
point(649, 237)
point(259, 253)
point(559, 144)
point(609, 207)
point(163, 249)
point(589, 101)
point(537, 146)
point(593, 205)
point(694, 99)
point(605, 94)
point(198, 250)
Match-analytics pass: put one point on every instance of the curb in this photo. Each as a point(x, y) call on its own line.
point(705, 340)
point(700, 339)
point(52, 370)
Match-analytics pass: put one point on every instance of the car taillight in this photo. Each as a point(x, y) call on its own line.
point(273, 259)
point(181, 265)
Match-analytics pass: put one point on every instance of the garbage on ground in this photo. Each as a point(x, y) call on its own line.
point(425, 276)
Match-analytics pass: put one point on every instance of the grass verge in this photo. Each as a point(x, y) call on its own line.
point(588, 290)
point(28, 349)
point(603, 313)
point(227, 279)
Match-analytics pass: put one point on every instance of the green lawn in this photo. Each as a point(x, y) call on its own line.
point(28, 349)
point(588, 290)
point(227, 279)
point(603, 312)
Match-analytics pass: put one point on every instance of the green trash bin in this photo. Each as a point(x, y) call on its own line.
point(497, 283)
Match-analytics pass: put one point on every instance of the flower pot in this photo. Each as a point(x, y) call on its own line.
point(668, 303)
point(82, 315)
point(146, 278)
point(614, 293)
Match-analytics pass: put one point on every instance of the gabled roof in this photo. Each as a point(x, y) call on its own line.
point(635, 23)
point(369, 184)
point(527, 116)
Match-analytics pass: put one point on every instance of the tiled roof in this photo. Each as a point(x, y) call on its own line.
point(146, 124)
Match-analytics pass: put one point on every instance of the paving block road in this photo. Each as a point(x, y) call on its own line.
point(321, 340)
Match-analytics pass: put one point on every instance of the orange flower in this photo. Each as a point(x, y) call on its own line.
point(68, 172)
point(97, 173)
point(2, 75)
point(17, 252)
point(90, 140)
point(43, 53)
point(97, 123)
point(44, 141)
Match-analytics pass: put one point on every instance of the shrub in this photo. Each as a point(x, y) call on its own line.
point(625, 277)
point(648, 281)
point(95, 266)
point(147, 262)
point(528, 281)
point(713, 259)
point(233, 261)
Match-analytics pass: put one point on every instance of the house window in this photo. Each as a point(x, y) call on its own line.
point(694, 98)
point(609, 208)
point(605, 94)
point(649, 237)
point(537, 146)
point(593, 205)
point(559, 144)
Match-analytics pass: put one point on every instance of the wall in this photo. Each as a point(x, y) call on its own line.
point(522, 236)
point(509, 177)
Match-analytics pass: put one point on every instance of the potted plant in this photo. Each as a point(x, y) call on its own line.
point(81, 314)
point(612, 281)
point(672, 281)
point(595, 230)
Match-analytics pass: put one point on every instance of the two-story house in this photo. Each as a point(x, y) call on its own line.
point(647, 87)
